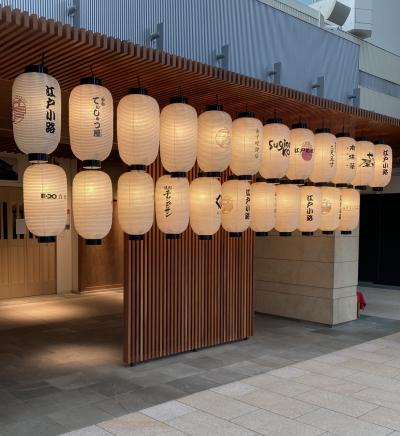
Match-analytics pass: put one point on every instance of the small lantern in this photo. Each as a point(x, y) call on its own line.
point(138, 127)
point(263, 207)
point(324, 168)
point(330, 209)
point(172, 205)
point(276, 150)
point(235, 206)
point(365, 163)
point(301, 153)
point(346, 160)
point(383, 166)
point(287, 208)
point(45, 200)
point(36, 112)
point(92, 205)
point(135, 201)
point(205, 206)
point(247, 137)
point(178, 138)
point(310, 210)
point(91, 122)
point(349, 210)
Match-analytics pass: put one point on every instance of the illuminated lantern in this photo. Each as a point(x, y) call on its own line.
point(346, 160)
point(349, 210)
point(135, 201)
point(287, 208)
point(172, 205)
point(365, 163)
point(45, 200)
point(91, 122)
point(324, 168)
point(92, 205)
point(276, 150)
point(301, 153)
point(383, 166)
point(205, 206)
point(247, 137)
point(214, 139)
point(36, 112)
point(263, 207)
point(330, 209)
point(310, 210)
point(235, 206)
point(138, 127)
point(178, 138)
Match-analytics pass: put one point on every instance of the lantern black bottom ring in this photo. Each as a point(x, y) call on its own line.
point(235, 234)
point(172, 236)
point(136, 237)
point(285, 233)
point(205, 237)
point(93, 241)
point(46, 239)
point(261, 233)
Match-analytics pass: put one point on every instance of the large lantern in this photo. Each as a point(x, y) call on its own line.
point(138, 127)
point(214, 139)
point(36, 112)
point(346, 160)
point(349, 210)
point(178, 137)
point(365, 163)
point(263, 207)
point(235, 206)
point(301, 153)
point(172, 205)
point(330, 209)
point(287, 208)
point(92, 205)
point(310, 209)
point(45, 200)
point(135, 201)
point(247, 136)
point(276, 150)
point(383, 166)
point(91, 122)
point(324, 168)
point(205, 206)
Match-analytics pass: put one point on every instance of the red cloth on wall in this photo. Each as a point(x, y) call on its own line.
point(361, 300)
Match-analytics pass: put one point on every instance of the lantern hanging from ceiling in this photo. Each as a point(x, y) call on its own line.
point(91, 122)
point(287, 208)
point(263, 207)
point(235, 206)
point(276, 150)
point(135, 199)
point(383, 166)
point(324, 167)
point(36, 112)
point(172, 205)
point(330, 209)
point(45, 200)
point(205, 206)
point(301, 153)
point(247, 137)
point(349, 210)
point(92, 205)
point(346, 160)
point(138, 128)
point(365, 163)
point(178, 137)
point(310, 209)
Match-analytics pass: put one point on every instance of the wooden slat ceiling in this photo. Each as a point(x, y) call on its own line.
point(69, 53)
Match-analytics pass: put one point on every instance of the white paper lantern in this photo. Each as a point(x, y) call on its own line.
point(235, 206)
point(301, 153)
point(349, 210)
point(310, 209)
point(346, 160)
point(92, 205)
point(263, 207)
point(91, 122)
point(205, 206)
point(45, 200)
point(36, 112)
point(138, 127)
point(324, 167)
point(276, 150)
point(135, 199)
point(214, 139)
point(247, 138)
point(178, 138)
point(383, 166)
point(287, 208)
point(365, 163)
point(172, 205)
point(330, 209)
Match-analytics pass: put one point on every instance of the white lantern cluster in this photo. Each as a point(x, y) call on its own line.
point(287, 208)
point(365, 163)
point(263, 207)
point(346, 160)
point(309, 210)
point(324, 166)
point(330, 209)
point(349, 210)
point(383, 165)
point(301, 153)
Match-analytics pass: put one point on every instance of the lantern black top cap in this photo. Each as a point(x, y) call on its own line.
point(323, 130)
point(246, 114)
point(343, 135)
point(274, 121)
point(362, 138)
point(379, 141)
point(90, 81)
point(179, 99)
point(36, 69)
point(214, 107)
point(138, 90)
point(299, 126)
